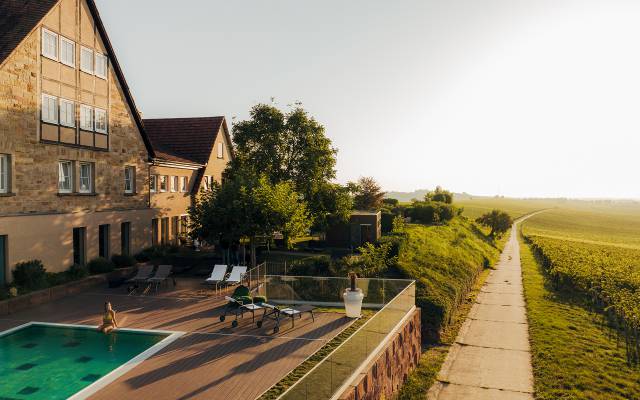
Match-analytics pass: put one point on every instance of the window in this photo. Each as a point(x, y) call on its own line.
point(101, 120)
point(164, 230)
point(49, 109)
point(104, 241)
point(5, 165)
point(206, 182)
point(86, 178)
point(49, 44)
point(67, 113)
point(174, 228)
point(86, 118)
point(86, 60)
point(65, 177)
point(184, 224)
point(129, 179)
point(125, 238)
point(79, 248)
point(174, 183)
point(153, 183)
point(67, 52)
point(163, 183)
point(220, 150)
point(183, 184)
point(154, 231)
point(101, 66)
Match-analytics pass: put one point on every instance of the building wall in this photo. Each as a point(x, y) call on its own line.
point(385, 374)
point(49, 237)
point(34, 195)
point(172, 204)
point(215, 166)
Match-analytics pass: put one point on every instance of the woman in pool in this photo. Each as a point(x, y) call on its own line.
point(108, 319)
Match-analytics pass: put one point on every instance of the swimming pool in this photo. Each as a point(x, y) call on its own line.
point(54, 361)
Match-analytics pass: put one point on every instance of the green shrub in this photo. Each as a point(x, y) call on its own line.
point(431, 212)
point(122, 260)
point(100, 265)
point(30, 275)
point(77, 271)
point(387, 221)
point(142, 257)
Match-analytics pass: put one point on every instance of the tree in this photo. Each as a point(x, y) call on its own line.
point(289, 147)
point(499, 222)
point(440, 195)
point(244, 207)
point(368, 195)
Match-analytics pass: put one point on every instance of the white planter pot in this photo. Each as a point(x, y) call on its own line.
point(353, 302)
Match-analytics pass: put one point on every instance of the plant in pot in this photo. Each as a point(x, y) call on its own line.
point(353, 298)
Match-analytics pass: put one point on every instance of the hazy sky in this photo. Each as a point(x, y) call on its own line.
point(512, 97)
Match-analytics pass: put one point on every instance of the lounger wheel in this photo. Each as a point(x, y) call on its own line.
point(276, 329)
point(259, 323)
point(222, 318)
point(234, 324)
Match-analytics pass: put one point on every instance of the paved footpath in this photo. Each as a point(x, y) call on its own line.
point(490, 359)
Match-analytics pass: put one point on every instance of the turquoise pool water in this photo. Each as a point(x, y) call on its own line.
point(54, 362)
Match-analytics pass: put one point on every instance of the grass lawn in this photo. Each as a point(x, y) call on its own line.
point(574, 356)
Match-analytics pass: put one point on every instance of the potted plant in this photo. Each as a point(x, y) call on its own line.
point(353, 298)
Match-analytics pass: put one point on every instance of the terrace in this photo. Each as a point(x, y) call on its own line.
point(212, 360)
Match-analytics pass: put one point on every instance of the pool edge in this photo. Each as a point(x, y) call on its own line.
point(119, 371)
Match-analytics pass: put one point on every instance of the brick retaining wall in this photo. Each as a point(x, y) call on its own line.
point(389, 370)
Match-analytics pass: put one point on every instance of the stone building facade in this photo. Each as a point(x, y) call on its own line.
point(75, 159)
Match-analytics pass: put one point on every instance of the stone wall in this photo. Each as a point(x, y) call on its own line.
point(386, 373)
point(34, 172)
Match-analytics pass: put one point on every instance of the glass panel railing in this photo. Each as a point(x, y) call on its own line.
point(328, 377)
point(328, 291)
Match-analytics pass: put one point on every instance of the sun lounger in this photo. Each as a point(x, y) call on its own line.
point(274, 313)
point(161, 275)
point(239, 308)
point(217, 275)
point(143, 274)
point(236, 275)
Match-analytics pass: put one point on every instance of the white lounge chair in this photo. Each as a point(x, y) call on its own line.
point(161, 275)
point(217, 275)
point(236, 275)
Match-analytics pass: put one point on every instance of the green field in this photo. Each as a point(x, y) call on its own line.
point(583, 299)
point(476, 206)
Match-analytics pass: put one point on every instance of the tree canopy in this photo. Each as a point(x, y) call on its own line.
point(290, 147)
point(440, 195)
point(499, 222)
point(368, 194)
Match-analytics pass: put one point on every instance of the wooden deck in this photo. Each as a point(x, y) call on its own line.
point(211, 361)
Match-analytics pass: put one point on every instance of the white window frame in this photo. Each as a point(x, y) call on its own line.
point(47, 97)
point(174, 184)
point(153, 183)
point(206, 182)
point(130, 180)
point(60, 176)
point(85, 108)
point(221, 150)
point(83, 68)
point(97, 111)
point(65, 102)
point(5, 174)
point(71, 63)
point(45, 53)
point(90, 178)
point(164, 178)
point(183, 184)
point(99, 74)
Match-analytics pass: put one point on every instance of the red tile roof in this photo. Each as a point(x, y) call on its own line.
point(184, 139)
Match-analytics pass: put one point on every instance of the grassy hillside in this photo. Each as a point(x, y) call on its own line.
point(448, 262)
point(445, 262)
